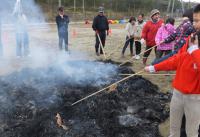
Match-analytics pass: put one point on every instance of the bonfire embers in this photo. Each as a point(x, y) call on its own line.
point(133, 109)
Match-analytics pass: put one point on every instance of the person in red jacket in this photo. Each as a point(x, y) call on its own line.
point(186, 84)
point(149, 32)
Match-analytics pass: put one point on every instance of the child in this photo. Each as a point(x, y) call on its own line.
point(130, 28)
point(163, 32)
point(137, 36)
point(179, 36)
point(186, 93)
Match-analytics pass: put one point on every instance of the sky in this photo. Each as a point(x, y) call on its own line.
point(192, 1)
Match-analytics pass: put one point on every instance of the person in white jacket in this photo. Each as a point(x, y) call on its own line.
point(137, 36)
point(130, 29)
point(22, 37)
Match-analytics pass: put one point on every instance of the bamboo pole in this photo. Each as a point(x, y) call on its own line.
point(118, 47)
point(139, 54)
point(101, 45)
point(149, 74)
point(107, 87)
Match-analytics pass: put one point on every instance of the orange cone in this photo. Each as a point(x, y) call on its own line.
point(74, 34)
point(110, 31)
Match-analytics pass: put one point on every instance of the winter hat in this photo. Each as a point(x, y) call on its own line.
point(154, 11)
point(101, 9)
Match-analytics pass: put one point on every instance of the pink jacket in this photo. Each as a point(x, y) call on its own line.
point(163, 32)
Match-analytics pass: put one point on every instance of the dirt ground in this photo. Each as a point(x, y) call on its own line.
point(81, 42)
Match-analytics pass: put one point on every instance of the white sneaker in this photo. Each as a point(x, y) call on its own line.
point(137, 57)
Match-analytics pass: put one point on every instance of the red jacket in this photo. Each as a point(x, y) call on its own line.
point(149, 32)
point(187, 66)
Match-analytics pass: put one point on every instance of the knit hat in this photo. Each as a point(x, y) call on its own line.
point(101, 9)
point(154, 11)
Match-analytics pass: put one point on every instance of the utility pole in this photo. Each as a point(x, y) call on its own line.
point(183, 10)
point(168, 7)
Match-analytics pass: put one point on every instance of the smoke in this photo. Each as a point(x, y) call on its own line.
point(40, 86)
point(35, 79)
point(28, 7)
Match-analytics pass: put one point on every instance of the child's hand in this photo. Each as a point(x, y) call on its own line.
point(147, 69)
point(150, 69)
point(143, 42)
point(193, 40)
point(193, 44)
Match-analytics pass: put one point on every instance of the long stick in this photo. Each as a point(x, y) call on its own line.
point(118, 47)
point(107, 87)
point(148, 49)
point(139, 54)
point(149, 74)
point(101, 45)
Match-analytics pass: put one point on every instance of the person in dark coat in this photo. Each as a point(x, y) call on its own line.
point(100, 26)
point(62, 22)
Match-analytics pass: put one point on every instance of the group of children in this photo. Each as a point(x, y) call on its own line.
point(158, 34)
point(185, 60)
point(181, 49)
point(133, 30)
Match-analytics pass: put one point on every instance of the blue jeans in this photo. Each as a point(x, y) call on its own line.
point(156, 61)
point(22, 48)
point(63, 38)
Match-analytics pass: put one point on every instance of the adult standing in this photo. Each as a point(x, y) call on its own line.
point(62, 22)
point(100, 26)
point(149, 32)
point(137, 36)
point(22, 37)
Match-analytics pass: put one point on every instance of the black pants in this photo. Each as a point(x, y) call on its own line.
point(137, 47)
point(102, 35)
point(126, 45)
point(156, 61)
point(63, 38)
point(146, 54)
point(159, 53)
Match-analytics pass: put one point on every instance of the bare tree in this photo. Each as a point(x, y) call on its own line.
point(59, 3)
point(74, 5)
point(172, 12)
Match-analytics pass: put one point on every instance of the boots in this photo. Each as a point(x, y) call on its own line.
point(144, 61)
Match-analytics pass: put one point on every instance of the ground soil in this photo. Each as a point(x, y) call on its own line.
point(81, 41)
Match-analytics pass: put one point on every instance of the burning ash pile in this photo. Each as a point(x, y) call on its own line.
point(30, 100)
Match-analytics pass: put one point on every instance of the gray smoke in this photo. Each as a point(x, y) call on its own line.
point(27, 7)
point(35, 80)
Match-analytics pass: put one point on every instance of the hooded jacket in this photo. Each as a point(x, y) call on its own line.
point(163, 32)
